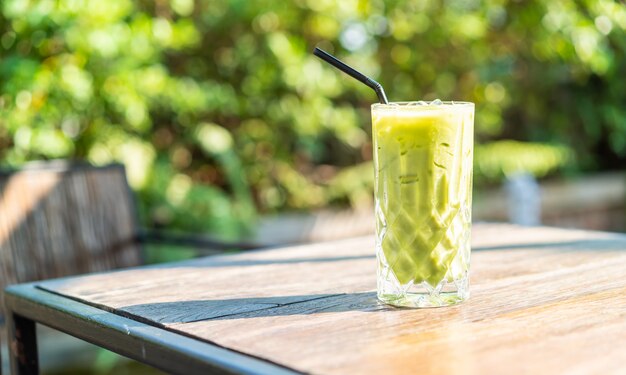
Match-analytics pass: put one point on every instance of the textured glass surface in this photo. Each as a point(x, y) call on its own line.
point(423, 195)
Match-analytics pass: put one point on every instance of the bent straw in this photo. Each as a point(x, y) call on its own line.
point(332, 60)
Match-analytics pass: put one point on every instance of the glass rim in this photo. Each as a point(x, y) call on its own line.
point(447, 104)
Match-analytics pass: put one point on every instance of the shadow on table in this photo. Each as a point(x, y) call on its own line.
point(228, 261)
point(596, 244)
point(614, 242)
point(244, 308)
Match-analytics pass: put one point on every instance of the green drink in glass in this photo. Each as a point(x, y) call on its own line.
point(423, 195)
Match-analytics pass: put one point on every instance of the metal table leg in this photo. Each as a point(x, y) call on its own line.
point(22, 343)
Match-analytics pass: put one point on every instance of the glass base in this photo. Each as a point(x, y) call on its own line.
point(424, 295)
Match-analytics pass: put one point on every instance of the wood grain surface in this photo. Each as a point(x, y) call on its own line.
point(543, 301)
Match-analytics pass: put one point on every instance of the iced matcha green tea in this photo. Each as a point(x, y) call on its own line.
point(423, 194)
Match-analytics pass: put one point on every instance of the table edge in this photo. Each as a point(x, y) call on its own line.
point(155, 346)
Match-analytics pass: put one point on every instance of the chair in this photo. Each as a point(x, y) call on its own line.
point(59, 219)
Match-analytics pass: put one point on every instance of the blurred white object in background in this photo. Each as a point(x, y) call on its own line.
point(524, 199)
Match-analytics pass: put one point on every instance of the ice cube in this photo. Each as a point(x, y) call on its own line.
point(421, 102)
point(436, 102)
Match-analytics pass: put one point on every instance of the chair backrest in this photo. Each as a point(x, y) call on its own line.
point(59, 219)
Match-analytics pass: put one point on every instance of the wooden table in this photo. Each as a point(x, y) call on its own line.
point(543, 301)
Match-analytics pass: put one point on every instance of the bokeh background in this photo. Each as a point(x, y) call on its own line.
point(222, 115)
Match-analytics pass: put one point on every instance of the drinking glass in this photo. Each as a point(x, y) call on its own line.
point(423, 196)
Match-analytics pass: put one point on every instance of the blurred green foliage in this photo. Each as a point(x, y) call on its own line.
point(219, 110)
point(500, 159)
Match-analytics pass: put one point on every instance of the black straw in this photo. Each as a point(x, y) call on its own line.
point(332, 60)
